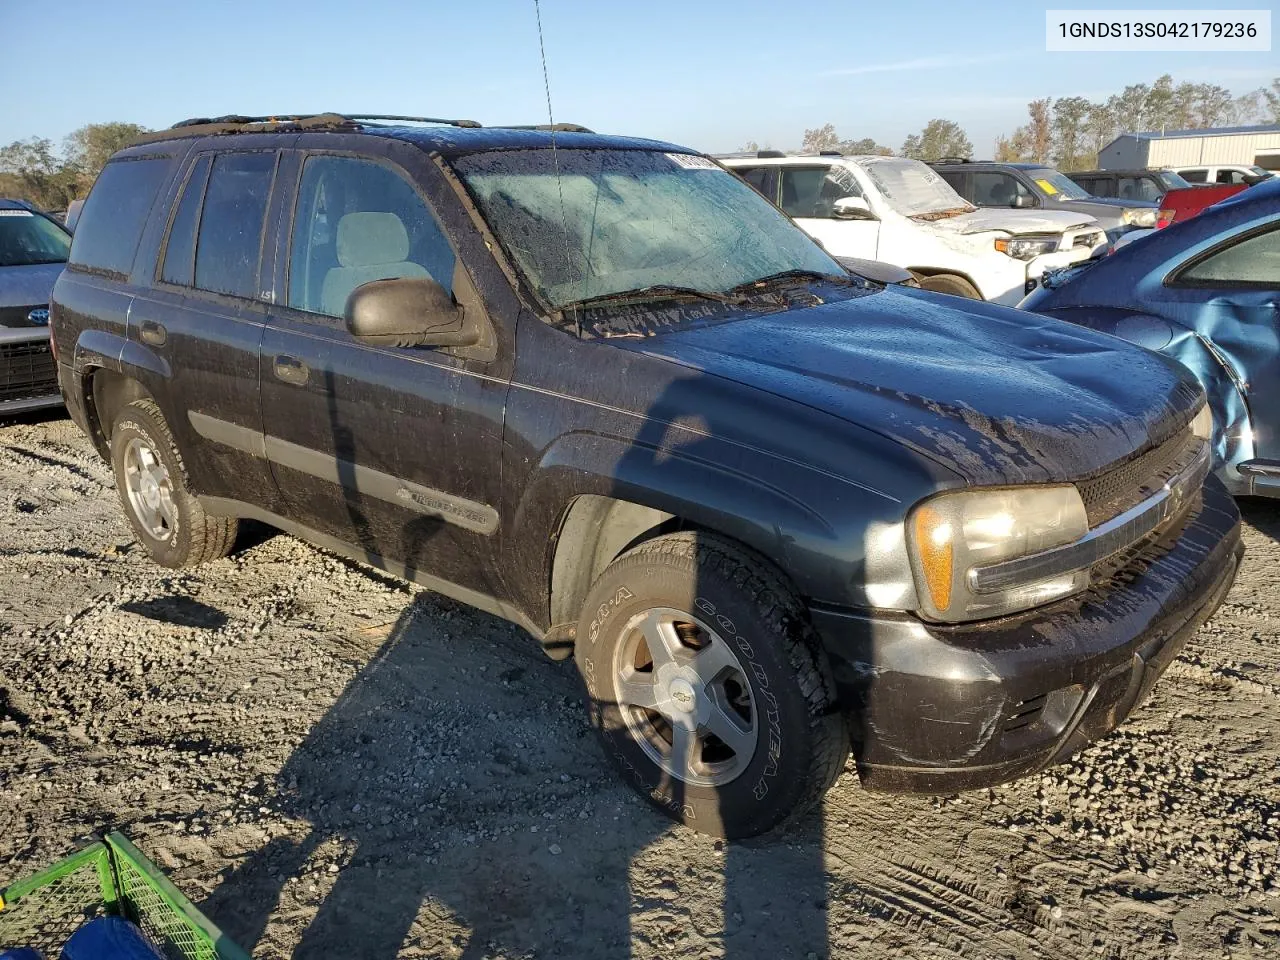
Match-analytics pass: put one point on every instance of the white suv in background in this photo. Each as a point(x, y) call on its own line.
point(902, 212)
point(1224, 173)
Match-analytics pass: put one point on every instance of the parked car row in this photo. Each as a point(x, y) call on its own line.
point(775, 510)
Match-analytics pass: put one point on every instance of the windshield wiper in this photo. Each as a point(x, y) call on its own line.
point(785, 276)
point(657, 291)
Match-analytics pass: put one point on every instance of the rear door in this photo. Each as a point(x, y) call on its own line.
point(809, 193)
point(394, 451)
point(204, 318)
point(1231, 294)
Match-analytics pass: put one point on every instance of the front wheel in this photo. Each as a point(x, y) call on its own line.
point(950, 283)
point(708, 686)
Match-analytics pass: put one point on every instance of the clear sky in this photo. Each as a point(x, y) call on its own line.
point(705, 73)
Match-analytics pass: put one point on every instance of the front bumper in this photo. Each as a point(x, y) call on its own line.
point(937, 709)
point(28, 377)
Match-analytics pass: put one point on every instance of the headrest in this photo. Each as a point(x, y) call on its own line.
point(369, 239)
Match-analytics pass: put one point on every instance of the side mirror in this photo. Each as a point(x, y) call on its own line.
point(407, 312)
point(1022, 201)
point(852, 208)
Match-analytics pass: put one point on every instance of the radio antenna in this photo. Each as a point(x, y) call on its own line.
point(555, 157)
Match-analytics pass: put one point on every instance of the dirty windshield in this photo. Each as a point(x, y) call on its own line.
point(912, 188)
point(615, 221)
point(27, 239)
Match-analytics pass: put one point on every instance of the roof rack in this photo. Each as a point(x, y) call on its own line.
point(238, 123)
point(765, 154)
point(951, 160)
point(830, 153)
point(549, 127)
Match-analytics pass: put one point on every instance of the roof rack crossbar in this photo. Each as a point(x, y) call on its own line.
point(241, 120)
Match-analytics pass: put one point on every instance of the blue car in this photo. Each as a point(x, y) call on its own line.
point(33, 251)
point(1205, 291)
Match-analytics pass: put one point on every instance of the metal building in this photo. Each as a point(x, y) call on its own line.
point(1181, 148)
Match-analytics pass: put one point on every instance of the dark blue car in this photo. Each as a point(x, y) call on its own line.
point(1207, 293)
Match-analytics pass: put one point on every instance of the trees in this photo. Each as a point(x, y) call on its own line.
point(1069, 117)
point(51, 179)
point(39, 174)
point(1270, 97)
point(826, 138)
point(939, 138)
point(1073, 130)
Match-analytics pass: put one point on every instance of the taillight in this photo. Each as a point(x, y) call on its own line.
point(1164, 218)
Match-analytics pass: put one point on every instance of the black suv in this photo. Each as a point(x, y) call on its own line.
point(602, 388)
point(1035, 186)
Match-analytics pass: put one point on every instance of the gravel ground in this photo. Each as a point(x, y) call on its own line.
point(332, 763)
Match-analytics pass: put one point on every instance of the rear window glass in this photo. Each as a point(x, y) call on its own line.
point(235, 205)
point(113, 217)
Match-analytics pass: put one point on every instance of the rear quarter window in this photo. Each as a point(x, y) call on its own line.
point(115, 214)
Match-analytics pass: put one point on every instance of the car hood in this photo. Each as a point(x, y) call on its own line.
point(22, 286)
point(996, 395)
point(1014, 222)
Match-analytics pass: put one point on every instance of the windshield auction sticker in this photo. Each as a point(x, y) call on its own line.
point(15, 213)
point(1170, 30)
point(691, 161)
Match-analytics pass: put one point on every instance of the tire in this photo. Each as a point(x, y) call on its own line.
point(950, 283)
point(152, 482)
point(760, 677)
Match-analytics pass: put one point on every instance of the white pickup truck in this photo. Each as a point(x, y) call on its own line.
point(900, 211)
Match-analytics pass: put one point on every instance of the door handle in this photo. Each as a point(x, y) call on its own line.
point(291, 370)
point(152, 333)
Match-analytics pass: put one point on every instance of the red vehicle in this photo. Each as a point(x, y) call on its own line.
point(1185, 202)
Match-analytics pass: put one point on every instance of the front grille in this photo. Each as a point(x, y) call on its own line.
point(17, 316)
point(1127, 485)
point(27, 371)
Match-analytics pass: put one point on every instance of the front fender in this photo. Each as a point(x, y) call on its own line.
point(838, 540)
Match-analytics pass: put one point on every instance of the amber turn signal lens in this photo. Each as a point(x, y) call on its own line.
point(933, 535)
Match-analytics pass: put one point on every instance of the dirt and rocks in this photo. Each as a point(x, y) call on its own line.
point(334, 764)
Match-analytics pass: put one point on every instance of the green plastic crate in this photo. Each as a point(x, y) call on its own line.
point(108, 877)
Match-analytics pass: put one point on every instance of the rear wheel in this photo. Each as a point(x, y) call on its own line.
point(152, 483)
point(708, 687)
point(950, 283)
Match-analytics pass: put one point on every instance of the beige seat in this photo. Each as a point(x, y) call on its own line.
point(371, 246)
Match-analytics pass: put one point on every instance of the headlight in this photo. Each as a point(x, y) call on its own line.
point(1026, 248)
point(1202, 424)
point(1141, 217)
point(953, 533)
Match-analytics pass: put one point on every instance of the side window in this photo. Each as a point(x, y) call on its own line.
point(997, 190)
point(115, 214)
point(180, 249)
point(1195, 175)
point(1231, 176)
point(1253, 261)
point(813, 191)
point(758, 178)
point(957, 181)
point(358, 221)
point(1139, 188)
point(230, 236)
point(1102, 187)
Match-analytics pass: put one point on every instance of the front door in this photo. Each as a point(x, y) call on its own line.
point(809, 194)
point(396, 452)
